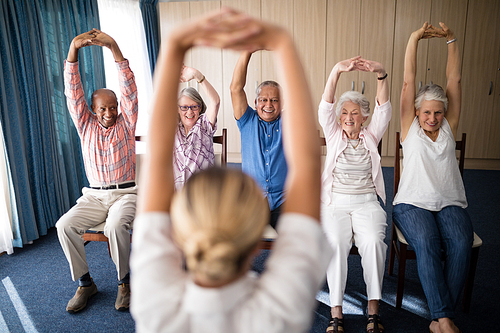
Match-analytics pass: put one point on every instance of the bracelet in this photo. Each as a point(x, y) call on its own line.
point(383, 77)
point(203, 79)
point(451, 41)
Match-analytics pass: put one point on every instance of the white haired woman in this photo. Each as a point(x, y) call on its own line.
point(218, 217)
point(352, 179)
point(194, 148)
point(430, 203)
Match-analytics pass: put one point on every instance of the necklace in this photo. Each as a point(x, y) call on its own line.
point(357, 144)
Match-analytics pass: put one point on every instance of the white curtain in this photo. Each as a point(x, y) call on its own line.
point(122, 20)
point(5, 203)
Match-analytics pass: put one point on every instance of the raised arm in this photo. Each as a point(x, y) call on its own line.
point(219, 29)
point(188, 74)
point(453, 80)
point(339, 68)
point(382, 84)
point(301, 144)
point(407, 108)
point(238, 95)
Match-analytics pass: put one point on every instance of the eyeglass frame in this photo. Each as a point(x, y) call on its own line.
point(186, 107)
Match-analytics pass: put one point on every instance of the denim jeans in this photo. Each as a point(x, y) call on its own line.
point(431, 234)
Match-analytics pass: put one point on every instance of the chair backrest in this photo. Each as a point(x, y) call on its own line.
point(460, 147)
point(222, 139)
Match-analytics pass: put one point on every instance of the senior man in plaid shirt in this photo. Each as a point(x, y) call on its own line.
point(108, 146)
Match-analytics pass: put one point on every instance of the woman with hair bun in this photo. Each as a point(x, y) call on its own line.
point(429, 207)
point(193, 147)
point(217, 219)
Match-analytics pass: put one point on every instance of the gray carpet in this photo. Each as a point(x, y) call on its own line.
point(36, 283)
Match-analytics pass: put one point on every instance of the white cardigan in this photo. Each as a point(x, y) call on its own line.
point(336, 142)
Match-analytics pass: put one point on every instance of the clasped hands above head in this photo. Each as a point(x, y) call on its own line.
point(228, 28)
point(429, 31)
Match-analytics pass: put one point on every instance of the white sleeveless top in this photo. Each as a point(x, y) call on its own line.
point(431, 178)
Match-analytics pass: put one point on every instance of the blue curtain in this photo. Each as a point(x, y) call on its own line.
point(150, 18)
point(42, 145)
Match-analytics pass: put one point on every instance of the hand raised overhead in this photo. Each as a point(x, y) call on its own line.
point(365, 65)
point(189, 73)
point(230, 29)
point(93, 37)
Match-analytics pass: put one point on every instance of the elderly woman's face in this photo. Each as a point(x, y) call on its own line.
point(431, 115)
point(189, 116)
point(351, 118)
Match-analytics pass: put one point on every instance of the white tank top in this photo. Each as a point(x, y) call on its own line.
point(431, 178)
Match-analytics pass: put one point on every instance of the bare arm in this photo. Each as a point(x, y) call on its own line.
point(453, 81)
point(407, 108)
point(221, 29)
point(157, 172)
point(300, 141)
point(238, 95)
point(188, 74)
point(301, 144)
point(339, 68)
point(382, 85)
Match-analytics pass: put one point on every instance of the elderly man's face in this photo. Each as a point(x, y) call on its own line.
point(105, 106)
point(268, 103)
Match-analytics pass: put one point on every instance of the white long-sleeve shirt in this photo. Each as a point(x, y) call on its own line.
point(281, 299)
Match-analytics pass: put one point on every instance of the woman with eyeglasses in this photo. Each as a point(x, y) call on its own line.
point(193, 148)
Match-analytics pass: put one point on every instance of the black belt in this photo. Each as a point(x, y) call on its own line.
point(114, 186)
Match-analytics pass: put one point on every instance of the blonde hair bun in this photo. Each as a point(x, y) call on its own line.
point(215, 261)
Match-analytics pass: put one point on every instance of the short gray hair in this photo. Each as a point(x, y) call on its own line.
point(431, 92)
point(268, 83)
point(356, 98)
point(193, 94)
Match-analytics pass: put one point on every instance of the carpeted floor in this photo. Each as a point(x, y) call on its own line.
point(36, 283)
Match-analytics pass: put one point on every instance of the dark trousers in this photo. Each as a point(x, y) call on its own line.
point(275, 214)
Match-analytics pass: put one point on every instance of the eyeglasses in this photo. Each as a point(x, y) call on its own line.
point(193, 108)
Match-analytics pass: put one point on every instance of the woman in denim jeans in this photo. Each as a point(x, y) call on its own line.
point(430, 204)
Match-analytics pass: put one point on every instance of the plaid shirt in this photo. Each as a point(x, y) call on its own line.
point(108, 153)
point(194, 151)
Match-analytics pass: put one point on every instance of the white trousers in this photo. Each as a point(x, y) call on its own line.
point(117, 208)
point(360, 218)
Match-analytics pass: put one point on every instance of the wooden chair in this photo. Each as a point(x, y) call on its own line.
point(354, 249)
point(222, 139)
point(399, 245)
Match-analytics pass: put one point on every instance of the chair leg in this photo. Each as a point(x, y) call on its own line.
point(401, 275)
point(392, 252)
point(469, 283)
